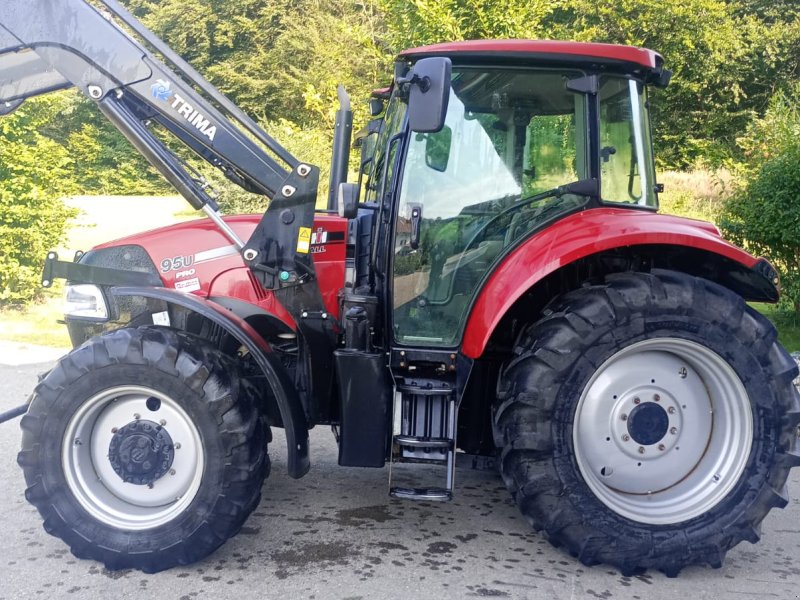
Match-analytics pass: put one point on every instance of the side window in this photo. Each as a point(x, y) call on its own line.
point(550, 153)
point(384, 155)
point(368, 145)
point(626, 167)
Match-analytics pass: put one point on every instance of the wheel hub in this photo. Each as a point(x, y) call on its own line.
point(648, 423)
point(133, 457)
point(141, 452)
point(662, 430)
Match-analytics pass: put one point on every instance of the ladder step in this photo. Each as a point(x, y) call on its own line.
point(425, 391)
point(415, 442)
point(434, 494)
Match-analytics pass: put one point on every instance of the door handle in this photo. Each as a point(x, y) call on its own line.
point(416, 220)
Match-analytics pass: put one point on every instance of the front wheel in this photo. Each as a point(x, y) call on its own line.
point(144, 449)
point(649, 422)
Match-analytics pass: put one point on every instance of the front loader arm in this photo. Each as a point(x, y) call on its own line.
point(52, 44)
point(46, 45)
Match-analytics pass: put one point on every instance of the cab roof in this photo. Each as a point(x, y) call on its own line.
point(540, 49)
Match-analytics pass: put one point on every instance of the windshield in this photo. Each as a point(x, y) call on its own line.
point(476, 188)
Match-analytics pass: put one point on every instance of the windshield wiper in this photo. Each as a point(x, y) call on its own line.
point(582, 187)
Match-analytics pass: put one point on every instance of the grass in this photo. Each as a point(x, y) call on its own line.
point(38, 323)
point(787, 323)
point(696, 194)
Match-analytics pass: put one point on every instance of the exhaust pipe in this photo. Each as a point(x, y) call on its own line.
point(342, 134)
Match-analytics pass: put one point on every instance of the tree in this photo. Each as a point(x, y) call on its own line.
point(764, 214)
point(34, 173)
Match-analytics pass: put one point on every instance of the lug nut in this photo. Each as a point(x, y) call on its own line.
point(624, 417)
point(162, 422)
point(661, 447)
point(641, 449)
point(177, 446)
point(683, 372)
point(150, 486)
point(626, 438)
point(671, 410)
point(673, 430)
point(137, 416)
point(114, 430)
point(636, 400)
point(172, 471)
point(656, 397)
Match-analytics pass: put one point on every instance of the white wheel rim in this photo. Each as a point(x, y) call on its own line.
point(684, 448)
point(96, 485)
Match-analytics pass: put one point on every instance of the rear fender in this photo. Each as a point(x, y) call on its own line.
point(663, 241)
point(286, 396)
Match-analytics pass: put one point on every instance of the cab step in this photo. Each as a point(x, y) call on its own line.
point(432, 494)
point(424, 432)
point(406, 441)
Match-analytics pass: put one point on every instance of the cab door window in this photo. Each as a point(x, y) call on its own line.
point(468, 192)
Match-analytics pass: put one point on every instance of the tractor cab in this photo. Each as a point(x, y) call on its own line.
point(530, 132)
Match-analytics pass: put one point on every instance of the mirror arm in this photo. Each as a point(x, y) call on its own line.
point(405, 83)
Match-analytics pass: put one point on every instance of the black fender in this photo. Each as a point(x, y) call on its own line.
point(286, 396)
point(248, 312)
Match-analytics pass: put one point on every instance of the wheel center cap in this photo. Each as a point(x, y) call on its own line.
point(648, 423)
point(141, 452)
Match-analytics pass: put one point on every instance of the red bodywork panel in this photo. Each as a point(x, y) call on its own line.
point(639, 56)
point(574, 237)
point(197, 258)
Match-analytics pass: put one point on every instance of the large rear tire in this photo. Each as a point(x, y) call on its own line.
point(144, 449)
point(649, 422)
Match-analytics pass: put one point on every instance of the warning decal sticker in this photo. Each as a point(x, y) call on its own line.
point(303, 240)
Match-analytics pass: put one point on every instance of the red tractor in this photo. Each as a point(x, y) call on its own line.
point(496, 289)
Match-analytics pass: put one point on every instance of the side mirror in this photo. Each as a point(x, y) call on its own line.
point(428, 84)
point(437, 149)
point(375, 107)
point(347, 200)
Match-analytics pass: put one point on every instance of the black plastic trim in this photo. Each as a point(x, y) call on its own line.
point(81, 273)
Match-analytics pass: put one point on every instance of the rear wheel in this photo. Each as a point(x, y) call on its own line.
point(144, 449)
point(648, 422)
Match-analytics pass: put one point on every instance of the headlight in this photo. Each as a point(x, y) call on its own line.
point(85, 302)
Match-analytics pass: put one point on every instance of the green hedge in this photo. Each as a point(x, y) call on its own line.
point(34, 174)
point(764, 214)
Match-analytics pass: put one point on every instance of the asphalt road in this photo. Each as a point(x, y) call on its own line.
point(335, 534)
